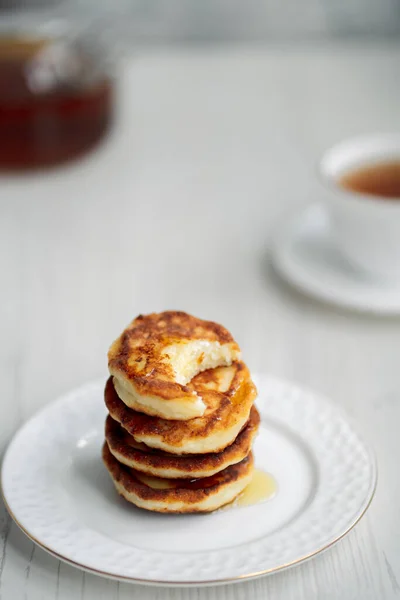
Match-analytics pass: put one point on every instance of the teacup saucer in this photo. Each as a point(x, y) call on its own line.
point(305, 255)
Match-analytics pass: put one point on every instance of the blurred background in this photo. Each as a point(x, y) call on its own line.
point(59, 59)
point(212, 116)
point(218, 20)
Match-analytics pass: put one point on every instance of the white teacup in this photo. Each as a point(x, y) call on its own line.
point(366, 228)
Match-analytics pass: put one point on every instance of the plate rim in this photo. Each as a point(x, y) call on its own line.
point(211, 582)
point(194, 583)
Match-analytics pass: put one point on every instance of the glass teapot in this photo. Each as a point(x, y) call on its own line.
point(56, 84)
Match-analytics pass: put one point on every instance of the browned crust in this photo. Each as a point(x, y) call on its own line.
point(150, 458)
point(143, 341)
point(189, 492)
point(224, 410)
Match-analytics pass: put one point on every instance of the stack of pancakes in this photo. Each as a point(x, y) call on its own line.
point(181, 418)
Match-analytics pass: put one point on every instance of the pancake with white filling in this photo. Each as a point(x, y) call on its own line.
point(179, 495)
point(171, 466)
point(228, 393)
point(156, 357)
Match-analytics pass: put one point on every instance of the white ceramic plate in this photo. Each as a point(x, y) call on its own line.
point(59, 493)
point(306, 256)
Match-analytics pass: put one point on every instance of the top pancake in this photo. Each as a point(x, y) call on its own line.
point(158, 354)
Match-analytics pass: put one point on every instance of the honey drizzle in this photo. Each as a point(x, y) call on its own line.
point(261, 488)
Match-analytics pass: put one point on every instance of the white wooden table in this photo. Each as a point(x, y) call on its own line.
point(211, 150)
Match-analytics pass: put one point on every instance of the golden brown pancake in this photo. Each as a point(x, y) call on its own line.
point(179, 495)
point(156, 357)
point(228, 393)
point(171, 466)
